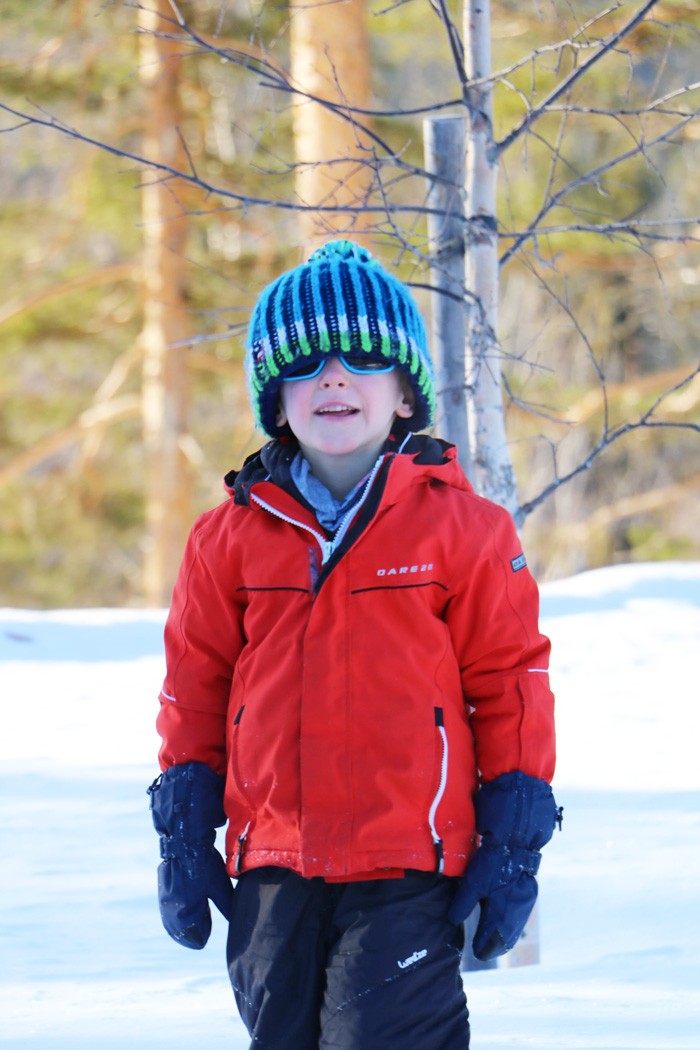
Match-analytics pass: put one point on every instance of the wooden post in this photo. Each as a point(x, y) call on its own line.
point(525, 953)
point(469, 960)
point(527, 950)
point(444, 158)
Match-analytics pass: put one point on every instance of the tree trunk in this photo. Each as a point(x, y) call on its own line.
point(492, 465)
point(330, 60)
point(166, 322)
point(444, 158)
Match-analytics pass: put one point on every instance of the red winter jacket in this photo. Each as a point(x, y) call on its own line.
point(353, 698)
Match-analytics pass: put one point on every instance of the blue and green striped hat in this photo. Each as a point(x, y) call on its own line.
point(340, 301)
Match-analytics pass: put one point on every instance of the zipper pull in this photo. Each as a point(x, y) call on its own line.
point(439, 855)
point(327, 547)
point(241, 844)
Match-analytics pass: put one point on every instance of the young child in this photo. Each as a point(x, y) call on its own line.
point(357, 684)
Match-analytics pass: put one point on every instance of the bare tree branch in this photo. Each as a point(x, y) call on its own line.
point(636, 229)
point(399, 222)
point(561, 89)
point(590, 177)
point(608, 438)
point(168, 172)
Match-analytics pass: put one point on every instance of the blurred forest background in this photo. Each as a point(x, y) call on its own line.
point(594, 327)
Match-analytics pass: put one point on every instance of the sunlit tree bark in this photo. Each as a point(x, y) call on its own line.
point(166, 323)
point(492, 467)
point(330, 61)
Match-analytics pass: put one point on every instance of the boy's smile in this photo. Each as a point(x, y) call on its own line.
point(341, 419)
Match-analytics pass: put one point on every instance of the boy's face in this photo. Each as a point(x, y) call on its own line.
point(342, 413)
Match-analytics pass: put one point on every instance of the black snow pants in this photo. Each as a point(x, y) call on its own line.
point(347, 966)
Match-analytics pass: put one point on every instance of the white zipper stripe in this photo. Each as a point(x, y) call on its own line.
point(327, 546)
point(437, 841)
point(324, 544)
point(345, 523)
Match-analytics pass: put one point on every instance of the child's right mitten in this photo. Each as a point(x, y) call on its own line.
point(187, 807)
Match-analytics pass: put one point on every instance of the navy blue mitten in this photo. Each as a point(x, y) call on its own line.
point(187, 806)
point(515, 815)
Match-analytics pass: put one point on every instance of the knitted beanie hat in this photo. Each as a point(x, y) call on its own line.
point(340, 301)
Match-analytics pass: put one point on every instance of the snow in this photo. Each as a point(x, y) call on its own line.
point(84, 962)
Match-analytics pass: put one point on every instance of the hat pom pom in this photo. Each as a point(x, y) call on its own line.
point(340, 250)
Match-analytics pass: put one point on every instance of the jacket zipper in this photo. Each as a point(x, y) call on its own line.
point(345, 523)
point(339, 534)
point(437, 841)
point(327, 546)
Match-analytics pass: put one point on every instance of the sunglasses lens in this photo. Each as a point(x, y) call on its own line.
point(362, 363)
point(305, 371)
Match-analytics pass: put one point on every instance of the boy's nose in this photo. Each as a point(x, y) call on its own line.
point(333, 373)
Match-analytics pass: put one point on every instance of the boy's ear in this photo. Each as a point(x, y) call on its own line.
point(408, 401)
point(280, 416)
point(405, 409)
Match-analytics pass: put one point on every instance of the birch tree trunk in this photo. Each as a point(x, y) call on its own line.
point(166, 323)
point(444, 158)
point(490, 455)
point(330, 60)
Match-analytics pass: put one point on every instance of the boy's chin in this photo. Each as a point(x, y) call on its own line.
point(345, 449)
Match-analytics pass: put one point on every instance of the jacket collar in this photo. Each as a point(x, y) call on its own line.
point(433, 457)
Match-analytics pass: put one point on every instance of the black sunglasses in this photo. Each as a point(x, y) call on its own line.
point(360, 364)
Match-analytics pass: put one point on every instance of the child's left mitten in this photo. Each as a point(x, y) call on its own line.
point(515, 815)
point(187, 807)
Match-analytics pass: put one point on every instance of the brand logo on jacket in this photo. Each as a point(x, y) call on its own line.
point(404, 570)
point(416, 957)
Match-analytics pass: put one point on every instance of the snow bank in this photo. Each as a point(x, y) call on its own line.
point(84, 961)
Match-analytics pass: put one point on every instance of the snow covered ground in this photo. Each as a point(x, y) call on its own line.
point(84, 963)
